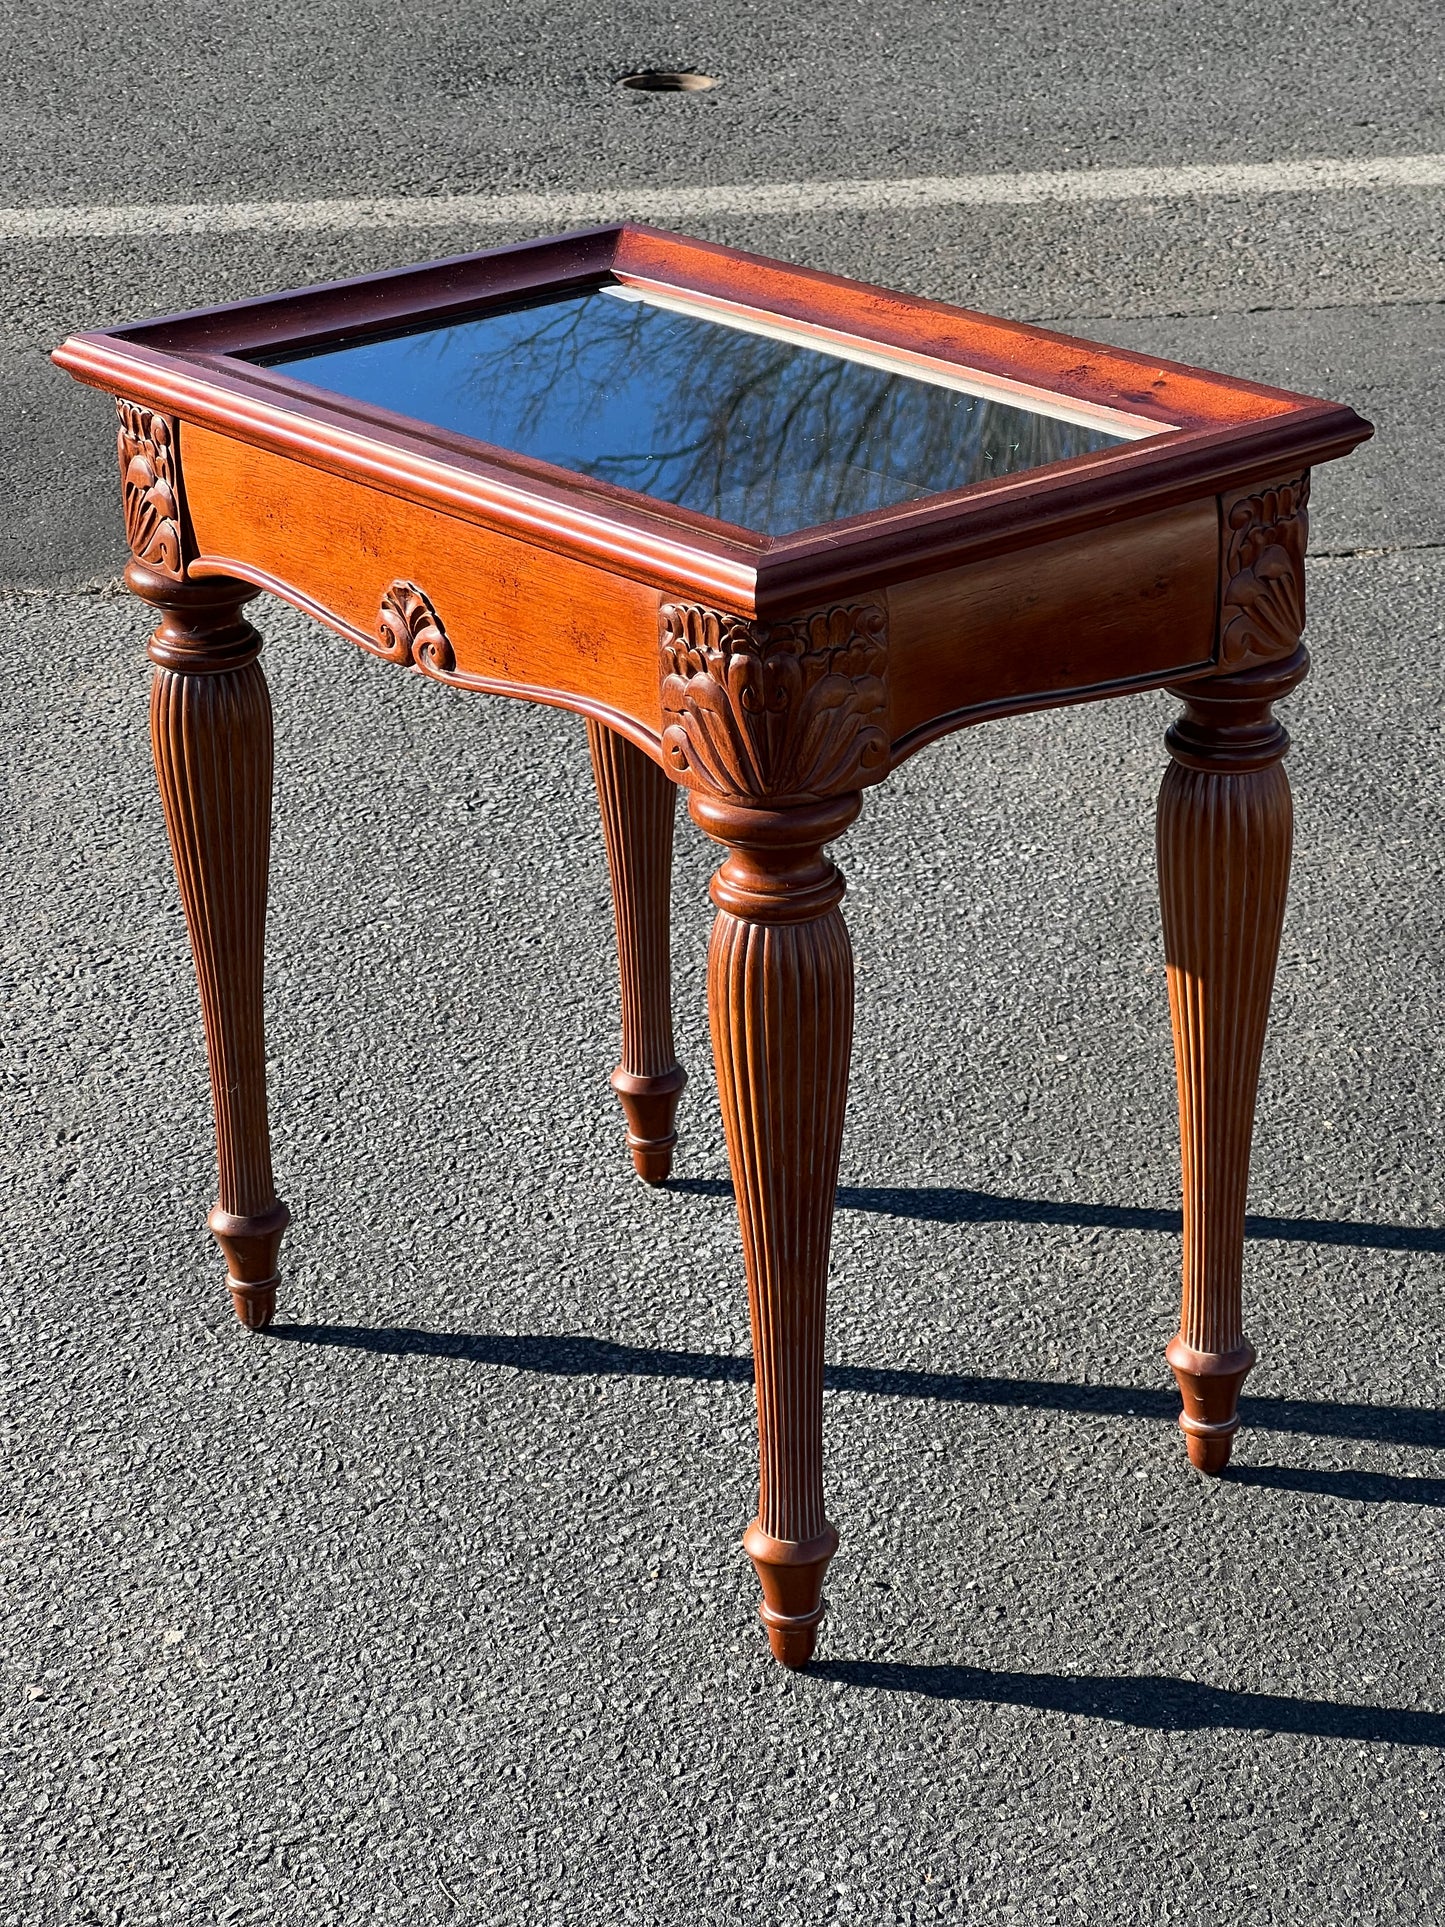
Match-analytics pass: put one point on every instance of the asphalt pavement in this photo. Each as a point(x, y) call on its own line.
point(430, 1606)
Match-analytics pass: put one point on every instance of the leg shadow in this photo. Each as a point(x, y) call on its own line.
point(1365, 1488)
point(936, 1204)
point(1160, 1704)
point(576, 1356)
point(563, 1356)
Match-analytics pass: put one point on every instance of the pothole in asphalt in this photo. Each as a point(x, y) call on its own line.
point(664, 81)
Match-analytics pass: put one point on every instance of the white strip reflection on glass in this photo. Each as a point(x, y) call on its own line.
point(893, 361)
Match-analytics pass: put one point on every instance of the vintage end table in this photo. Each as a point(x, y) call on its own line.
point(769, 532)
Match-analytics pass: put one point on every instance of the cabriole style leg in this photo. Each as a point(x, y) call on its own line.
point(211, 733)
point(1224, 851)
point(780, 996)
point(638, 804)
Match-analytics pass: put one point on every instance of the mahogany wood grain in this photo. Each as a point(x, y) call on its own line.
point(1224, 432)
point(518, 619)
point(211, 733)
point(638, 804)
point(1091, 371)
point(774, 680)
point(780, 1000)
point(1088, 371)
point(1126, 606)
point(1225, 829)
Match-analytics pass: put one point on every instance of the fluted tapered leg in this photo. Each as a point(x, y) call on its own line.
point(1224, 833)
point(211, 734)
point(780, 996)
point(638, 804)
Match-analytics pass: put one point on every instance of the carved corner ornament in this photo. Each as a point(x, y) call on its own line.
point(150, 488)
point(409, 632)
point(788, 709)
point(1262, 605)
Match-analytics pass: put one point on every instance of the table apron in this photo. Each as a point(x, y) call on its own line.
point(514, 618)
point(1130, 606)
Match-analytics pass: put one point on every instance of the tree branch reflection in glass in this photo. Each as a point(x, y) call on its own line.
point(731, 421)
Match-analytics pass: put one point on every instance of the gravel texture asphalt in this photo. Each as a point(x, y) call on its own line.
point(430, 1605)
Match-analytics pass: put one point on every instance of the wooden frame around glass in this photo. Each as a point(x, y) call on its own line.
point(773, 679)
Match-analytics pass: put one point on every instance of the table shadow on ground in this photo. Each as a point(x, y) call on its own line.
point(947, 1204)
point(1143, 1700)
point(575, 1355)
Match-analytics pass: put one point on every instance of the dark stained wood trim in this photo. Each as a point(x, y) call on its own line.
point(311, 316)
point(746, 574)
point(641, 546)
point(1229, 432)
point(1171, 392)
point(1067, 365)
point(1043, 504)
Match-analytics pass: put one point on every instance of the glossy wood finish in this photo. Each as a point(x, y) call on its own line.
point(774, 680)
point(520, 621)
point(1084, 615)
point(1224, 835)
point(211, 733)
point(638, 805)
point(773, 728)
point(780, 1002)
point(1223, 431)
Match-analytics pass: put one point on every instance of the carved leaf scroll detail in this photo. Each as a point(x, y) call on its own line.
point(1263, 611)
point(792, 709)
point(150, 487)
point(410, 633)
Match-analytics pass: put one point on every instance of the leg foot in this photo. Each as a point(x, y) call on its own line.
point(638, 804)
point(791, 1576)
point(650, 1104)
point(251, 1247)
point(1209, 1385)
point(254, 1305)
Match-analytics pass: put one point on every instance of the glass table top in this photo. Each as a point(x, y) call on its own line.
point(731, 414)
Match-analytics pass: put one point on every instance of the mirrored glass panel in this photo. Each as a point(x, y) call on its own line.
point(733, 417)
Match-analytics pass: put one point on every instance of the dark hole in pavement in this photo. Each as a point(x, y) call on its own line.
point(665, 81)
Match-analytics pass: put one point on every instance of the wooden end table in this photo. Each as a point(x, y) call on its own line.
point(769, 532)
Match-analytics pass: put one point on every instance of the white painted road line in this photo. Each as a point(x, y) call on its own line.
point(1244, 180)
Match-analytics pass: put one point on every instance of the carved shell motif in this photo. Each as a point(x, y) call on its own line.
point(410, 632)
point(791, 709)
point(150, 487)
point(1263, 609)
